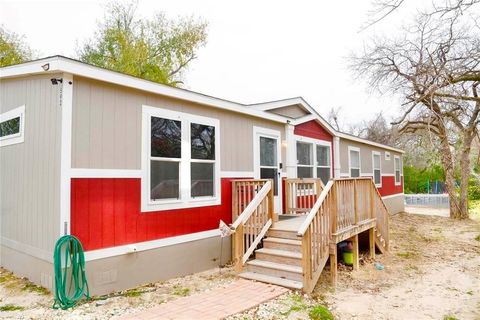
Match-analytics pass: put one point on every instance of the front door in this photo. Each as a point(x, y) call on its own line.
point(267, 161)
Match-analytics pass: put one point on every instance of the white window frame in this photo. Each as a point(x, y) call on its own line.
point(399, 169)
point(387, 156)
point(314, 165)
point(379, 154)
point(356, 149)
point(185, 200)
point(17, 137)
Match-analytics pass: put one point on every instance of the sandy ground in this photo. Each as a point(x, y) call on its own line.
point(441, 212)
point(432, 271)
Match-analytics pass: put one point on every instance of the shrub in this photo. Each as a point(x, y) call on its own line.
point(320, 313)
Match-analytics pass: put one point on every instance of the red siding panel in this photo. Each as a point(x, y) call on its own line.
point(389, 187)
point(313, 129)
point(105, 212)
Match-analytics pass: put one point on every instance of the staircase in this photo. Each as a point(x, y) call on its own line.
point(293, 252)
point(279, 261)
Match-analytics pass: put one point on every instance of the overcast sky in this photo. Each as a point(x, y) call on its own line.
point(257, 50)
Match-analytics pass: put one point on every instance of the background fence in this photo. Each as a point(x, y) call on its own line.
point(427, 200)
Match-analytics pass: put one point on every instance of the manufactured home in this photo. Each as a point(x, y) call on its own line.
point(142, 173)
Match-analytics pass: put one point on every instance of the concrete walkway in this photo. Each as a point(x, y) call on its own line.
point(218, 303)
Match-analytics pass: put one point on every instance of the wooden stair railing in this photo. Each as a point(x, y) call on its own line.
point(301, 194)
point(243, 191)
point(252, 225)
point(383, 224)
point(315, 234)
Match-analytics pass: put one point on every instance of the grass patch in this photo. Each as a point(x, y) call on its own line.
point(320, 312)
point(407, 254)
point(34, 288)
point(11, 307)
point(477, 238)
point(449, 317)
point(297, 305)
point(179, 291)
point(7, 277)
point(133, 293)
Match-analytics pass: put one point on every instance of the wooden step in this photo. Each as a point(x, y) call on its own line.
point(280, 233)
point(279, 270)
point(282, 244)
point(279, 256)
point(273, 280)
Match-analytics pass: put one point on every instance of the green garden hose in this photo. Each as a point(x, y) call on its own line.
point(70, 281)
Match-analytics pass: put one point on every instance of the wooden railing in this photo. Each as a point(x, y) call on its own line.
point(252, 224)
point(243, 191)
point(345, 207)
point(382, 216)
point(301, 194)
point(316, 236)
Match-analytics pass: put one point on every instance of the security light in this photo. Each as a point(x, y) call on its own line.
point(55, 81)
point(46, 67)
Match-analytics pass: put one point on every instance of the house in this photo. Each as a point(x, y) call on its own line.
point(142, 172)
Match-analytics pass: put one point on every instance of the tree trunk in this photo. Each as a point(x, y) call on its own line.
point(464, 176)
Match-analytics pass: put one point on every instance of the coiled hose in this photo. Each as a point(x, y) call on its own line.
point(70, 281)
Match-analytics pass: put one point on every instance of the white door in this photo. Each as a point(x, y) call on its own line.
point(267, 161)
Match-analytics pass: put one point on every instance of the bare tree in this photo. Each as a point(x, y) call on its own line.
point(435, 66)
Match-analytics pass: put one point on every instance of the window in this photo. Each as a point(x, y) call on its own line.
point(316, 150)
point(181, 167)
point(12, 126)
point(397, 170)
point(377, 168)
point(304, 160)
point(354, 162)
point(323, 163)
point(387, 155)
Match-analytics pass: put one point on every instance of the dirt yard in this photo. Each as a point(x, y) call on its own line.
point(431, 272)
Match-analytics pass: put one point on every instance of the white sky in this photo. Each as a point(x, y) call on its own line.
point(257, 50)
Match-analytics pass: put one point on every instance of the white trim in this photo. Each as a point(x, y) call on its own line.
point(291, 151)
point(27, 249)
point(365, 141)
point(344, 175)
point(393, 195)
point(356, 149)
point(273, 134)
point(237, 174)
point(149, 245)
point(185, 200)
point(395, 157)
point(62, 64)
point(66, 103)
point(16, 137)
point(379, 154)
point(105, 173)
point(388, 174)
point(336, 157)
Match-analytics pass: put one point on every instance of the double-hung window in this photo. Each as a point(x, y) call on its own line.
point(324, 167)
point(181, 164)
point(377, 168)
point(314, 159)
point(354, 162)
point(304, 160)
point(397, 168)
point(12, 125)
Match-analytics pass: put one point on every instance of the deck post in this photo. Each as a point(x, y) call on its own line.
point(306, 261)
point(355, 252)
point(372, 201)
point(371, 238)
point(333, 264)
point(238, 248)
point(271, 212)
point(355, 204)
point(333, 217)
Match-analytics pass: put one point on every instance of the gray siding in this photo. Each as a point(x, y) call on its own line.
point(107, 124)
point(366, 157)
point(30, 171)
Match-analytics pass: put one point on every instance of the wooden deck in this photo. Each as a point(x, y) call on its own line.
point(296, 246)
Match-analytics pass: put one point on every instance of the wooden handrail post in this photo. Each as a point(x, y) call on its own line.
point(288, 204)
point(372, 201)
point(271, 205)
point(333, 213)
point(355, 204)
point(238, 248)
point(234, 201)
point(318, 188)
point(306, 260)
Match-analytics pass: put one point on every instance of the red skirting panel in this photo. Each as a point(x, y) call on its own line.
point(105, 212)
point(389, 187)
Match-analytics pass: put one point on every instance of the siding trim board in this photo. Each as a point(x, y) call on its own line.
point(66, 106)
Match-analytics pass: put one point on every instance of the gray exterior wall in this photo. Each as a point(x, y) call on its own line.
point(130, 270)
point(107, 124)
point(366, 157)
point(30, 171)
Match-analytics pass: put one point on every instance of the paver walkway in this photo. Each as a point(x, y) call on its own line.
point(218, 303)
